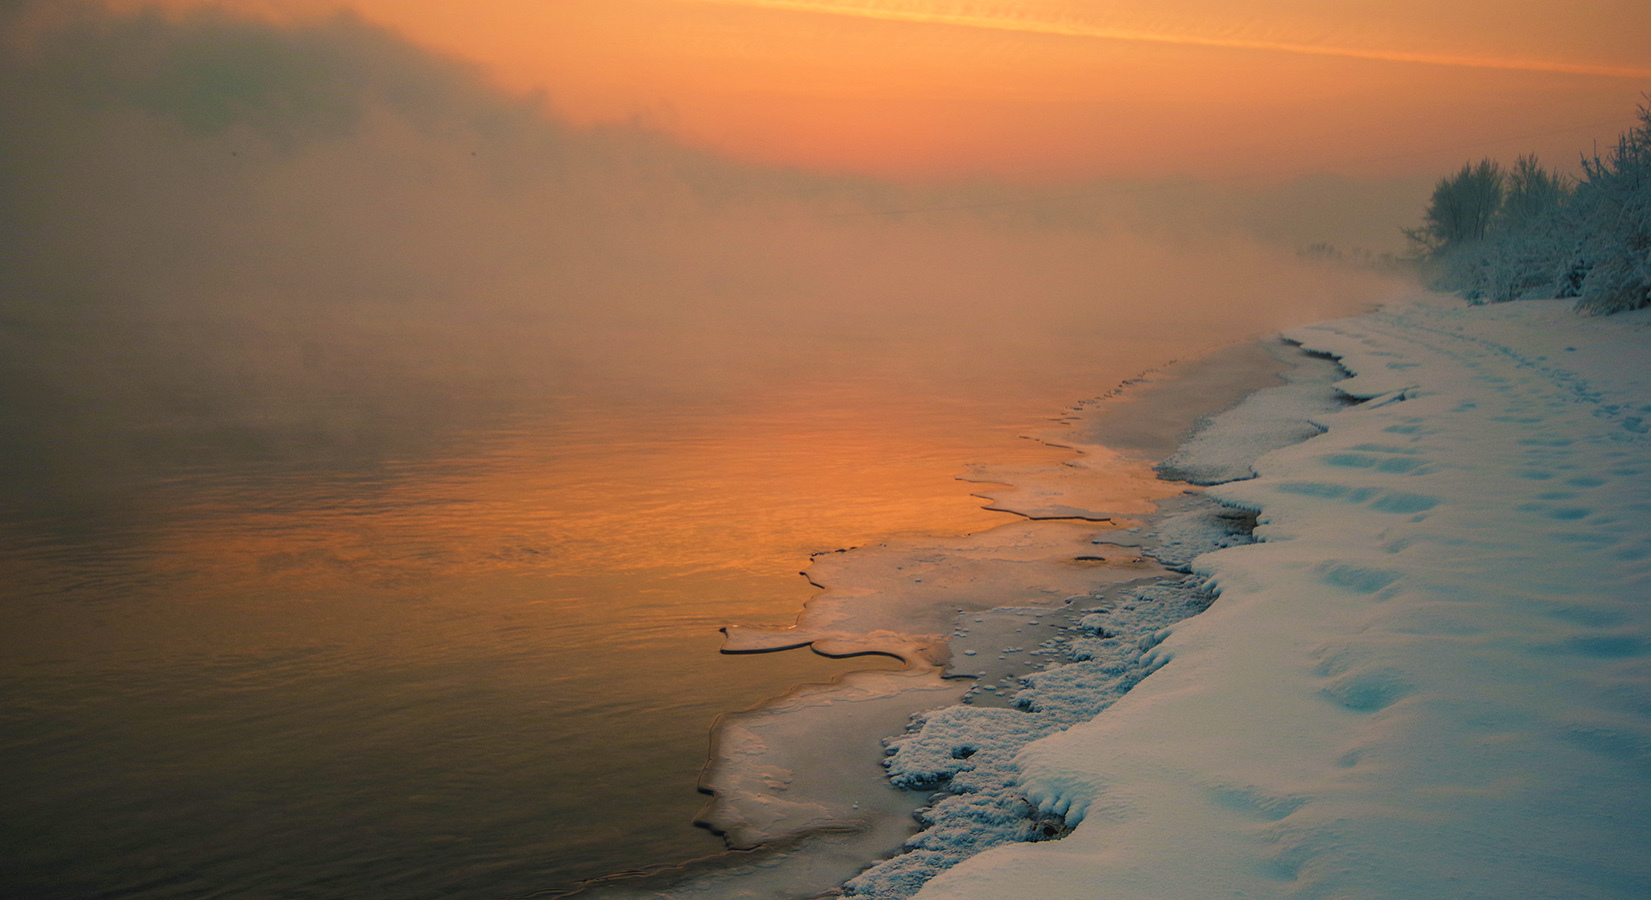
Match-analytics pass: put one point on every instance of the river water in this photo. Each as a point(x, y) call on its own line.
point(480, 661)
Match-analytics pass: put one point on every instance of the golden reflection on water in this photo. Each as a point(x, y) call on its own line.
point(681, 491)
point(521, 633)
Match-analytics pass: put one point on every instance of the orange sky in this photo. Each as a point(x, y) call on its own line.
point(1059, 89)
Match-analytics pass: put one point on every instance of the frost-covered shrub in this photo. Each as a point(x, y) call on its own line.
point(1593, 244)
point(1463, 207)
point(1517, 262)
point(1615, 207)
point(1523, 248)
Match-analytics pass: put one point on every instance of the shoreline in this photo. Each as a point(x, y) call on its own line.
point(1096, 647)
point(780, 807)
point(1426, 678)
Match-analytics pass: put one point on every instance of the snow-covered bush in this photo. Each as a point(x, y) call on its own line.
point(1515, 262)
point(1615, 209)
point(1462, 209)
point(1593, 244)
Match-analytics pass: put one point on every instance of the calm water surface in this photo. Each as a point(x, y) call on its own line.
point(480, 670)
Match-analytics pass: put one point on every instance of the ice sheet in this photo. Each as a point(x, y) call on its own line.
point(808, 762)
point(901, 597)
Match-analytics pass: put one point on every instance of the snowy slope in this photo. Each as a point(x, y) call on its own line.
point(1431, 679)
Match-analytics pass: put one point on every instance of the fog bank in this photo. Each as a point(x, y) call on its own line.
point(300, 244)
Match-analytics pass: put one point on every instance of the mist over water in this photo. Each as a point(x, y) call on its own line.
point(378, 456)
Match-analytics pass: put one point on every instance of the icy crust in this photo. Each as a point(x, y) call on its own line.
point(1432, 676)
point(1087, 654)
point(1119, 436)
point(967, 753)
point(1101, 485)
point(900, 597)
point(1187, 527)
point(803, 763)
point(799, 779)
point(1224, 448)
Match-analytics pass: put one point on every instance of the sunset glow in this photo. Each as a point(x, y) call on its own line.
point(1056, 89)
point(1016, 19)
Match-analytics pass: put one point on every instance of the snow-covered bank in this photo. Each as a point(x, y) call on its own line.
point(1432, 678)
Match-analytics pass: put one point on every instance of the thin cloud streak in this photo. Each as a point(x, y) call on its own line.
point(1022, 24)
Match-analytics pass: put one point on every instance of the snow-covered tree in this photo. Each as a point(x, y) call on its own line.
point(1462, 208)
point(1532, 192)
point(1494, 236)
point(1527, 245)
point(1613, 262)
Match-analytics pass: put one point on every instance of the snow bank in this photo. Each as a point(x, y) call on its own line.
point(1432, 678)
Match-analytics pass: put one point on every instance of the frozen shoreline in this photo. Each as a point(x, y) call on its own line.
point(1429, 679)
point(800, 778)
point(1097, 647)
